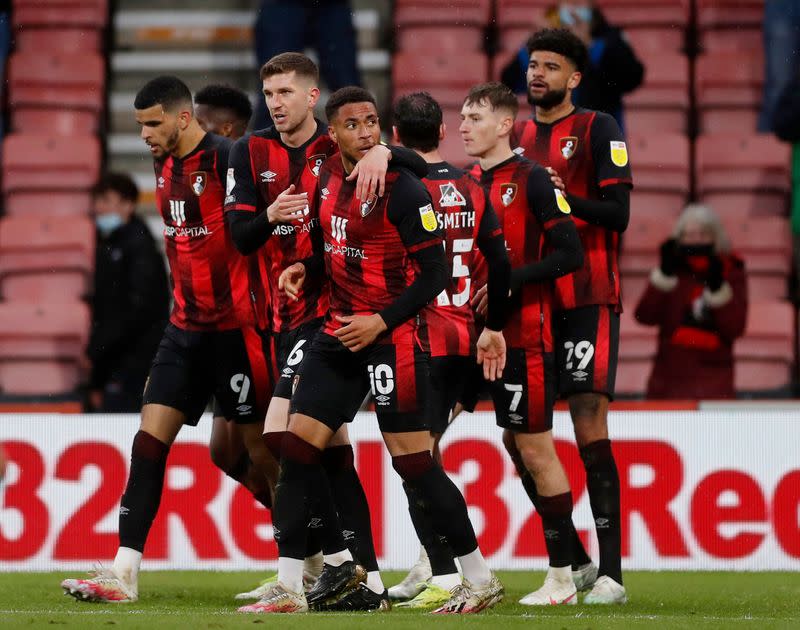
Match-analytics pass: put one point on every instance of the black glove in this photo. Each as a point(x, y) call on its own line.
point(714, 278)
point(670, 258)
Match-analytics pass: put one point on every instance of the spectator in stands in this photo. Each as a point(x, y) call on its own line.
point(130, 305)
point(781, 54)
point(697, 297)
point(294, 25)
point(614, 69)
point(223, 110)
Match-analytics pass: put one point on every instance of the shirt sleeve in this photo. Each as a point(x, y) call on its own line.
point(223, 155)
point(240, 189)
point(410, 209)
point(609, 152)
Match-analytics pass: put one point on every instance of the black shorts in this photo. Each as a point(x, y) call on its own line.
point(231, 365)
point(587, 350)
point(333, 382)
point(290, 350)
point(452, 381)
point(524, 397)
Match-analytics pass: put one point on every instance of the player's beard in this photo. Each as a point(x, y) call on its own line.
point(172, 141)
point(549, 99)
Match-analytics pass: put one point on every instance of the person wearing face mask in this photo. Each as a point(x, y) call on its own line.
point(130, 304)
point(697, 297)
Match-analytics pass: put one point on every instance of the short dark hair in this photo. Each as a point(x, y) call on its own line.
point(563, 42)
point(291, 62)
point(346, 95)
point(120, 183)
point(495, 94)
point(168, 91)
point(418, 118)
point(221, 96)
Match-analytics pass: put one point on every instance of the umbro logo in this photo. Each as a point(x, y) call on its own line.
point(242, 409)
point(580, 375)
point(515, 417)
point(382, 399)
point(268, 177)
point(287, 371)
point(315, 523)
point(123, 511)
point(518, 150)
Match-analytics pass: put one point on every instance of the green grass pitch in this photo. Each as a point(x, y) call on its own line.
point(197, 600)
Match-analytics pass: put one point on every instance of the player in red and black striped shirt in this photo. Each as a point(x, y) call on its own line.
point(211, 345)
point(543, 244)
point(467, 220)
point(589, 152)
point(384, 261)
point(272, 176)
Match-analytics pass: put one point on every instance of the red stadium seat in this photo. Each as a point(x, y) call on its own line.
point(635, 340)
point(764, 356)
point(65, 122)
point(632, 376)
point(35, 162)
point(447, 77)
point(440, 38)
point(627, 13)
point(46, 258)
point(728, 89)
point(29, 39)
point(49, 203)
point(729, 13)
point(661, 160)
point(731, 40)
point(743, 172)
point(57, 80)
point(450, 12)
point(40, 345)
point(662, 102)
point(657, 39)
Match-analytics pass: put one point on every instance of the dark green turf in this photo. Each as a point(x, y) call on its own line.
point(178, 599)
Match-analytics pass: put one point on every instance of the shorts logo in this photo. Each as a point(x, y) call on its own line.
point(450, 196)
point(368, 205)
point(243, 409)
point(315, 163)
point(339, 228)
point(602, 523)
point(580, 376)
point(123, 511)
point(619, 153)
point(287, 371)
point(428, 217)
point(515, 418)
point(561, 201)
point(198, 179)
point(507, 193)
point(267, 177)
point(382, 399)
point(177, 210)
point(568, 145)
point(315, 523)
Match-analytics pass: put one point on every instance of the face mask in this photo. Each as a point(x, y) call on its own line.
point(567, 15)
point(107, 223)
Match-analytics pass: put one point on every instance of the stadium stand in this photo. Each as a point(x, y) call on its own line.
point(40, 346)
point(728, 89)
point(46, 258)
point(765, 355)
point(59, 25)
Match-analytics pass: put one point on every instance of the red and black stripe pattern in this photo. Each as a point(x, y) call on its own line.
point(578, 146)
point(210, 280)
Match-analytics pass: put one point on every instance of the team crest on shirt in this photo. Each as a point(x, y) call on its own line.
point(451, 196)
point(508, 193)
point(198, 179)
point(428, 217)
point(368, 204)
point(619, 153)
point(568, 145)
point(315, 163)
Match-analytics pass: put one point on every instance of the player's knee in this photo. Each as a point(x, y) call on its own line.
point(537, 459)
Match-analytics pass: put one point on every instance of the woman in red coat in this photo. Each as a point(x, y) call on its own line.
point(698, 299)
